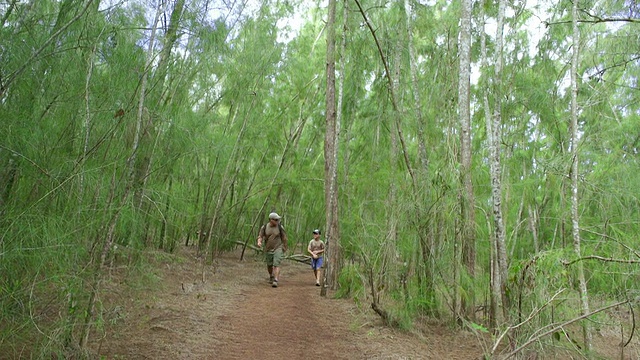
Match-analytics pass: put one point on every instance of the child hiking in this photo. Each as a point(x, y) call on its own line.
point(316, 249)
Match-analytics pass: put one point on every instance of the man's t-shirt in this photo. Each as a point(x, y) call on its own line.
point(316, 245)
point(272, 236)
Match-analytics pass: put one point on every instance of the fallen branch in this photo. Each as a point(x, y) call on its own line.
point(306, 259)
point(633, 326)
point(596, 257)
point(299, 258)
point(531, 317)
point(250, 246)
point(559, 327)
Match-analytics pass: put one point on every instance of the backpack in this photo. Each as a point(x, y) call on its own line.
point(280, 229)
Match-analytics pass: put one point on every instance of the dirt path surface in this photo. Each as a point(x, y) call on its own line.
point(236, 314)
point(285, 322)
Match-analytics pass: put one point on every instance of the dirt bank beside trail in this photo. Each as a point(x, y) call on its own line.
point(226, 317)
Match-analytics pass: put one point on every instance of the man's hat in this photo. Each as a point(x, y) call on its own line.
point(316, 231)
point(274, 216)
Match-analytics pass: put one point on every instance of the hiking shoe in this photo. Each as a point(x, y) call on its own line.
point(317, 284)
point(274, 283)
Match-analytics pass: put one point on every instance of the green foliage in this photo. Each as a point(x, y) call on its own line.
point(351, 284)
point(42, 278)
point(234, 126)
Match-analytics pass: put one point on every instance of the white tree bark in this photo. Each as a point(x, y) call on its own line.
point(466, 197)
point(575, 217)
point(496, 302)
point(496, 166)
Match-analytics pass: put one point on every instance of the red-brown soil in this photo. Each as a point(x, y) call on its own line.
point(236, 314)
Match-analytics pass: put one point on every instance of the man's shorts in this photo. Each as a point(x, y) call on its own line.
point(274, 258)
point(316, 263)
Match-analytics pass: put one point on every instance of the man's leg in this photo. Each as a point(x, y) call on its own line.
point(269, 260)
point(276, 273)
point(277, 259)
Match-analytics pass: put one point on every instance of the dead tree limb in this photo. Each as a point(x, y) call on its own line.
point(596, 257)
point(529, 318)
point(633, 326)
point(559, 327)
point(306, 259)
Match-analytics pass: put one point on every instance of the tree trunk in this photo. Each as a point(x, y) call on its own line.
point(170, 39)
point(496, 167)
point(107, 238)
point(330, 155)
point(226, 182)
point(137, 167)
point(467, 202)
point(422, 148)
point(393, 98)
point(575, 217)
point(495, 316)
point(87, 120)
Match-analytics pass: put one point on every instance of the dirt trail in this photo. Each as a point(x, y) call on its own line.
point(288, 322)
point(226, 317)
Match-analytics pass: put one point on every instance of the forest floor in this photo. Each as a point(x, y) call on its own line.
point(236, 314)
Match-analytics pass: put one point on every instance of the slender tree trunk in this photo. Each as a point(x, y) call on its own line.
point(257, 218)
point(422, 148)
point(8, 10)
point(335, 224)
point(393, 98)
point(87, 119)
point(149, 128)
point(495, 316)
point(467, 202)
point(135, 167)
point(59, 29)
point(339, 260)
point(170, 39)
point(107, 238)
point(496, 166)
point(426, 235)
point(330, 151)
point(391, 241)
point(575, 217)
point(226, 183)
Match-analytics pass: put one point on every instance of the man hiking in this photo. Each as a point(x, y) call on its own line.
point(275, 244)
